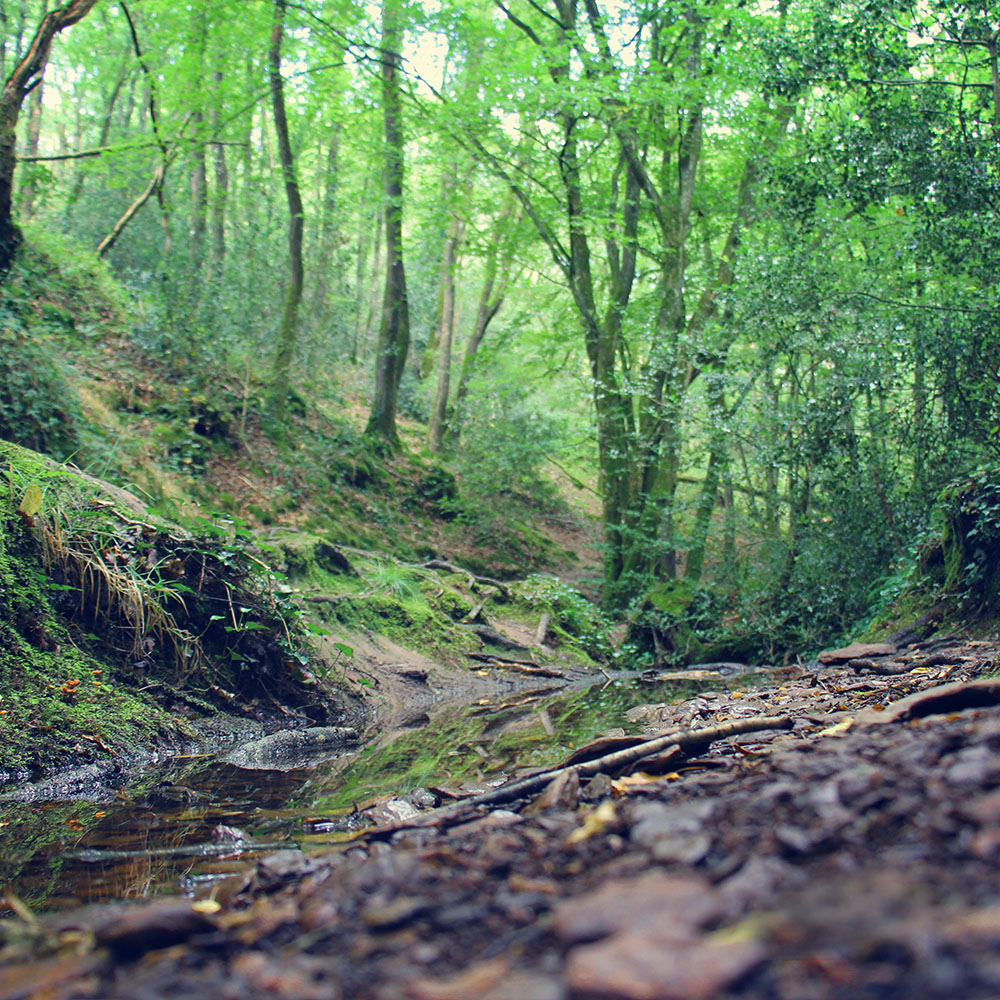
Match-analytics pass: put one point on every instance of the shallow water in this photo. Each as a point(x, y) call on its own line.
point(191, 823)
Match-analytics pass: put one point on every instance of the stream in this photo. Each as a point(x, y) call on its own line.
point(194, 824)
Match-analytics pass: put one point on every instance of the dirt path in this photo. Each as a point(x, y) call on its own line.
point(852, 857)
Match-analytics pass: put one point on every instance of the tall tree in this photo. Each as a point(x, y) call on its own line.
point(446, 321)
point(289, 321)
point(394, 333)
point(620, 172)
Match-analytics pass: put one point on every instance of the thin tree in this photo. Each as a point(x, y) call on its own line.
point(289, 320)
point(394, 333)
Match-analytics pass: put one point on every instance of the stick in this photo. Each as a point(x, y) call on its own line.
point(685, 739)
point(543, 629)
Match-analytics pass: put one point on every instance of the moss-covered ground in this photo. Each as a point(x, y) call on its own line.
point(114, 624)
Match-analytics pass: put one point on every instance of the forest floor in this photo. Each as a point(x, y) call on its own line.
point(850, 854)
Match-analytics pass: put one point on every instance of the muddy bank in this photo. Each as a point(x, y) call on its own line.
point(851, 857)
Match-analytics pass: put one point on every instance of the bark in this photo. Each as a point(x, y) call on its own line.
point(394, 333)
point(446, 332)
point(156, 181)
point(221, 192)
point(199, 209)
point(26, 75)
point(695, 561)
point(366, 294)
point(289, 321)
point(446, 197)
point(329, 234)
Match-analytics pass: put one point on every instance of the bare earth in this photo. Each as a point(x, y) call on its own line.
point(853, 856)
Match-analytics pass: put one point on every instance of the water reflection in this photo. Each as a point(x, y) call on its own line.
point(196, 821)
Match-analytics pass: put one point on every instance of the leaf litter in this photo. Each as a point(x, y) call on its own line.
point(850, 855)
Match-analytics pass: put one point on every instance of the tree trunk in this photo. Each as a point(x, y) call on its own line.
point(446, 333)
point(491, 299)
point(329, 233)
point(221, 192)
point(394, 333)
point(695, 561)
point(199, 210)
point(27, 75)
point(289, 320)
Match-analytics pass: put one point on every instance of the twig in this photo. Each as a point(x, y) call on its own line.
point(513, 790)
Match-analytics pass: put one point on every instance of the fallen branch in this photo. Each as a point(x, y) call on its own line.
point(522, 666)
point(904, 666)
point(489, 634)
point(513, 790)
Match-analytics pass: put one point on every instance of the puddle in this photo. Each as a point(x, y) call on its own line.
point(190, 823)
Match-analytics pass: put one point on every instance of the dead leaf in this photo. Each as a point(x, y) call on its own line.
point(838, 728)
point(596, 821)
point(31, 502)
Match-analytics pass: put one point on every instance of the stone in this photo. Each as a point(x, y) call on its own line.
point(856, 651)
point(647, 966)
point(673, 904)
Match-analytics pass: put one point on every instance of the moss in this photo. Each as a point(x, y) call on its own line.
point(409, 622)
point(311, 559)
point(104, 606)
point(60, 698)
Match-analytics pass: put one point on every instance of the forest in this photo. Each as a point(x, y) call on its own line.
point(537, 458)
point(731, 267)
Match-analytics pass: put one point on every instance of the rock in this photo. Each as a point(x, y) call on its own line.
point(136, 931)
point(856, 651)
point(943, 699)
point(653, 966)
point(282, 866)
point(291, 748)
point(673, 903)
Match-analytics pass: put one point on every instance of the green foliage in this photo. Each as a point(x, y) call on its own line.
point(53, 302)
point(505, 441)
point(970, 541)
point(390, 578)
point(571, 612)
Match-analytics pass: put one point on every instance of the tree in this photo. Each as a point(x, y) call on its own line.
point(26, 76)
point(619, 174)
point(394, 333)
point(296, 221)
